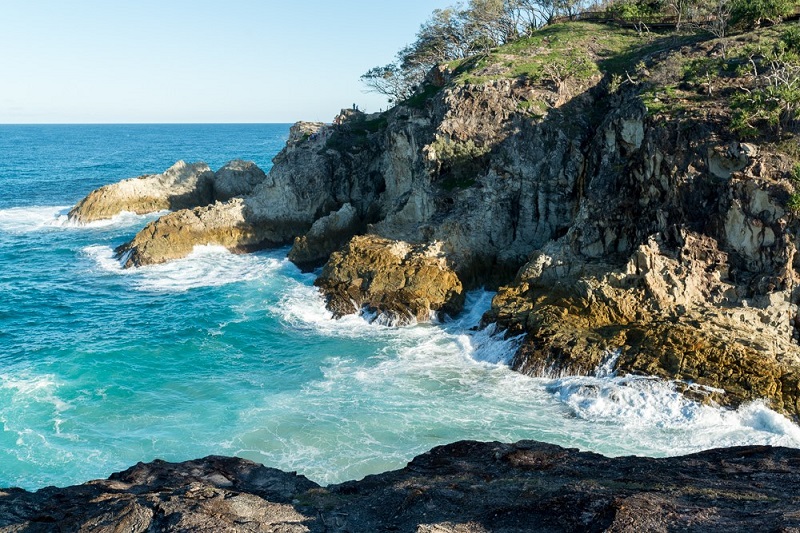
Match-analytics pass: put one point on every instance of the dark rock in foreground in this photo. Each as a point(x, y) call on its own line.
point(461, 487)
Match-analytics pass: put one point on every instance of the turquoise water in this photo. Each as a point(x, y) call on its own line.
point(235, 354)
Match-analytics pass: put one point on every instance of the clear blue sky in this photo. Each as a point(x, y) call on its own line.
point(111, 61)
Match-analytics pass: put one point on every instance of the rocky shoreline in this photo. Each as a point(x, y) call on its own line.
point(608, 227)
point(622, 220)
point(458, 488)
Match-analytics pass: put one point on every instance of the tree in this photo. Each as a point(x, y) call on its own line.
point(490, 23)
point(389, 81)
point(443, 37)
point(720, 15)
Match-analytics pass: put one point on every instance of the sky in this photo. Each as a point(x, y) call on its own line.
point(190, 61)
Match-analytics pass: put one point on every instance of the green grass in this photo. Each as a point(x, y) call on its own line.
point(579, 50)
point(419, 99)
point(793, 205)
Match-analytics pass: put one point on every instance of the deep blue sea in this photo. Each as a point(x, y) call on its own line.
point(235, 354)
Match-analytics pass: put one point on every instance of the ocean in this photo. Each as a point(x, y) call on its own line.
point(227, 354)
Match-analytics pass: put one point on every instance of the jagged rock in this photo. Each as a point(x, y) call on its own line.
point(282, 206)
point(175, 235)
point(326, 235)
point(398, 281)
point(181, 186)
point(636, 220)
point(462, 487)
point(236, 178)
point(683, 310)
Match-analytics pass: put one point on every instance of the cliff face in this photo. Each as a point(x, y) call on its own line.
point(615, 186)
point(461, 487)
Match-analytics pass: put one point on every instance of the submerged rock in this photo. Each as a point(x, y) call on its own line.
point(180, 186)
point(462, 487)
point(400, 282)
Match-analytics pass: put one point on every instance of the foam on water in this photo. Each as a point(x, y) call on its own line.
point(218, 353)
point(17, 220)
point(206, 266)
point(20, 220)
point(448, 382)
point(124, 219)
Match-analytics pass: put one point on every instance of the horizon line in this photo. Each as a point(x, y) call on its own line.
point(142, 123)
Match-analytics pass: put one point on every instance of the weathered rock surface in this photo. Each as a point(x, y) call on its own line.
point(461, 487)
point(175, 235)
point(681, 257)
point(236, 178)
point(326, 235)
point(661, 235)
point(182, 185)
point(400, 282)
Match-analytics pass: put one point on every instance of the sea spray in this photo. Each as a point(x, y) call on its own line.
point(102, 367)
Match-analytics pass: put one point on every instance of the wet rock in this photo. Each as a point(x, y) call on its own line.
point(400, 282)
point(175, 235)
point(181, 186)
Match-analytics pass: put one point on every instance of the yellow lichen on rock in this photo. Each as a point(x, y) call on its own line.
point(399, 281)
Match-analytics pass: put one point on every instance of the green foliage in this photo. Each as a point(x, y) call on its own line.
point(536, 108)
point(790, 37)
point(793, 204)
point(460, 162)
point(420, 98)
point(637, 10)
point(449, 150)
point(776, 99)
point(750, 13)
point(453, 33)
point(355, 133)
point(795, 175)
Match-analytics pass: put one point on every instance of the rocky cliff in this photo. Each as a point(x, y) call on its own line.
point(459, 488)
point(598, 175)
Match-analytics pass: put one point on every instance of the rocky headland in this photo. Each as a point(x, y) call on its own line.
point(462, 487)
point(618, 206)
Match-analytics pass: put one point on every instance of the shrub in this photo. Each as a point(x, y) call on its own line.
point(793, 205)
point(753, 12)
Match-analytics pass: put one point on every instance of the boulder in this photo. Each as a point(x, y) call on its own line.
point(175, 235)
point(236, 178)
point(399, 282)
point(326, 235)
point(181, 186)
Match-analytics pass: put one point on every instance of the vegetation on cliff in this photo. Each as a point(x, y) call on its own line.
point(643, 178)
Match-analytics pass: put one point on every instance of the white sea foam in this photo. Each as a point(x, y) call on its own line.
point(18, 220)
point(449, 381)
point(206, 266)
point(124, 219)
point(28, 219)
point(30, 386)
point(664, 420)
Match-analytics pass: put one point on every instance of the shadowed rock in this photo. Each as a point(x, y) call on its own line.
point(326, 235)
point(237, 178)
point(462, 487)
